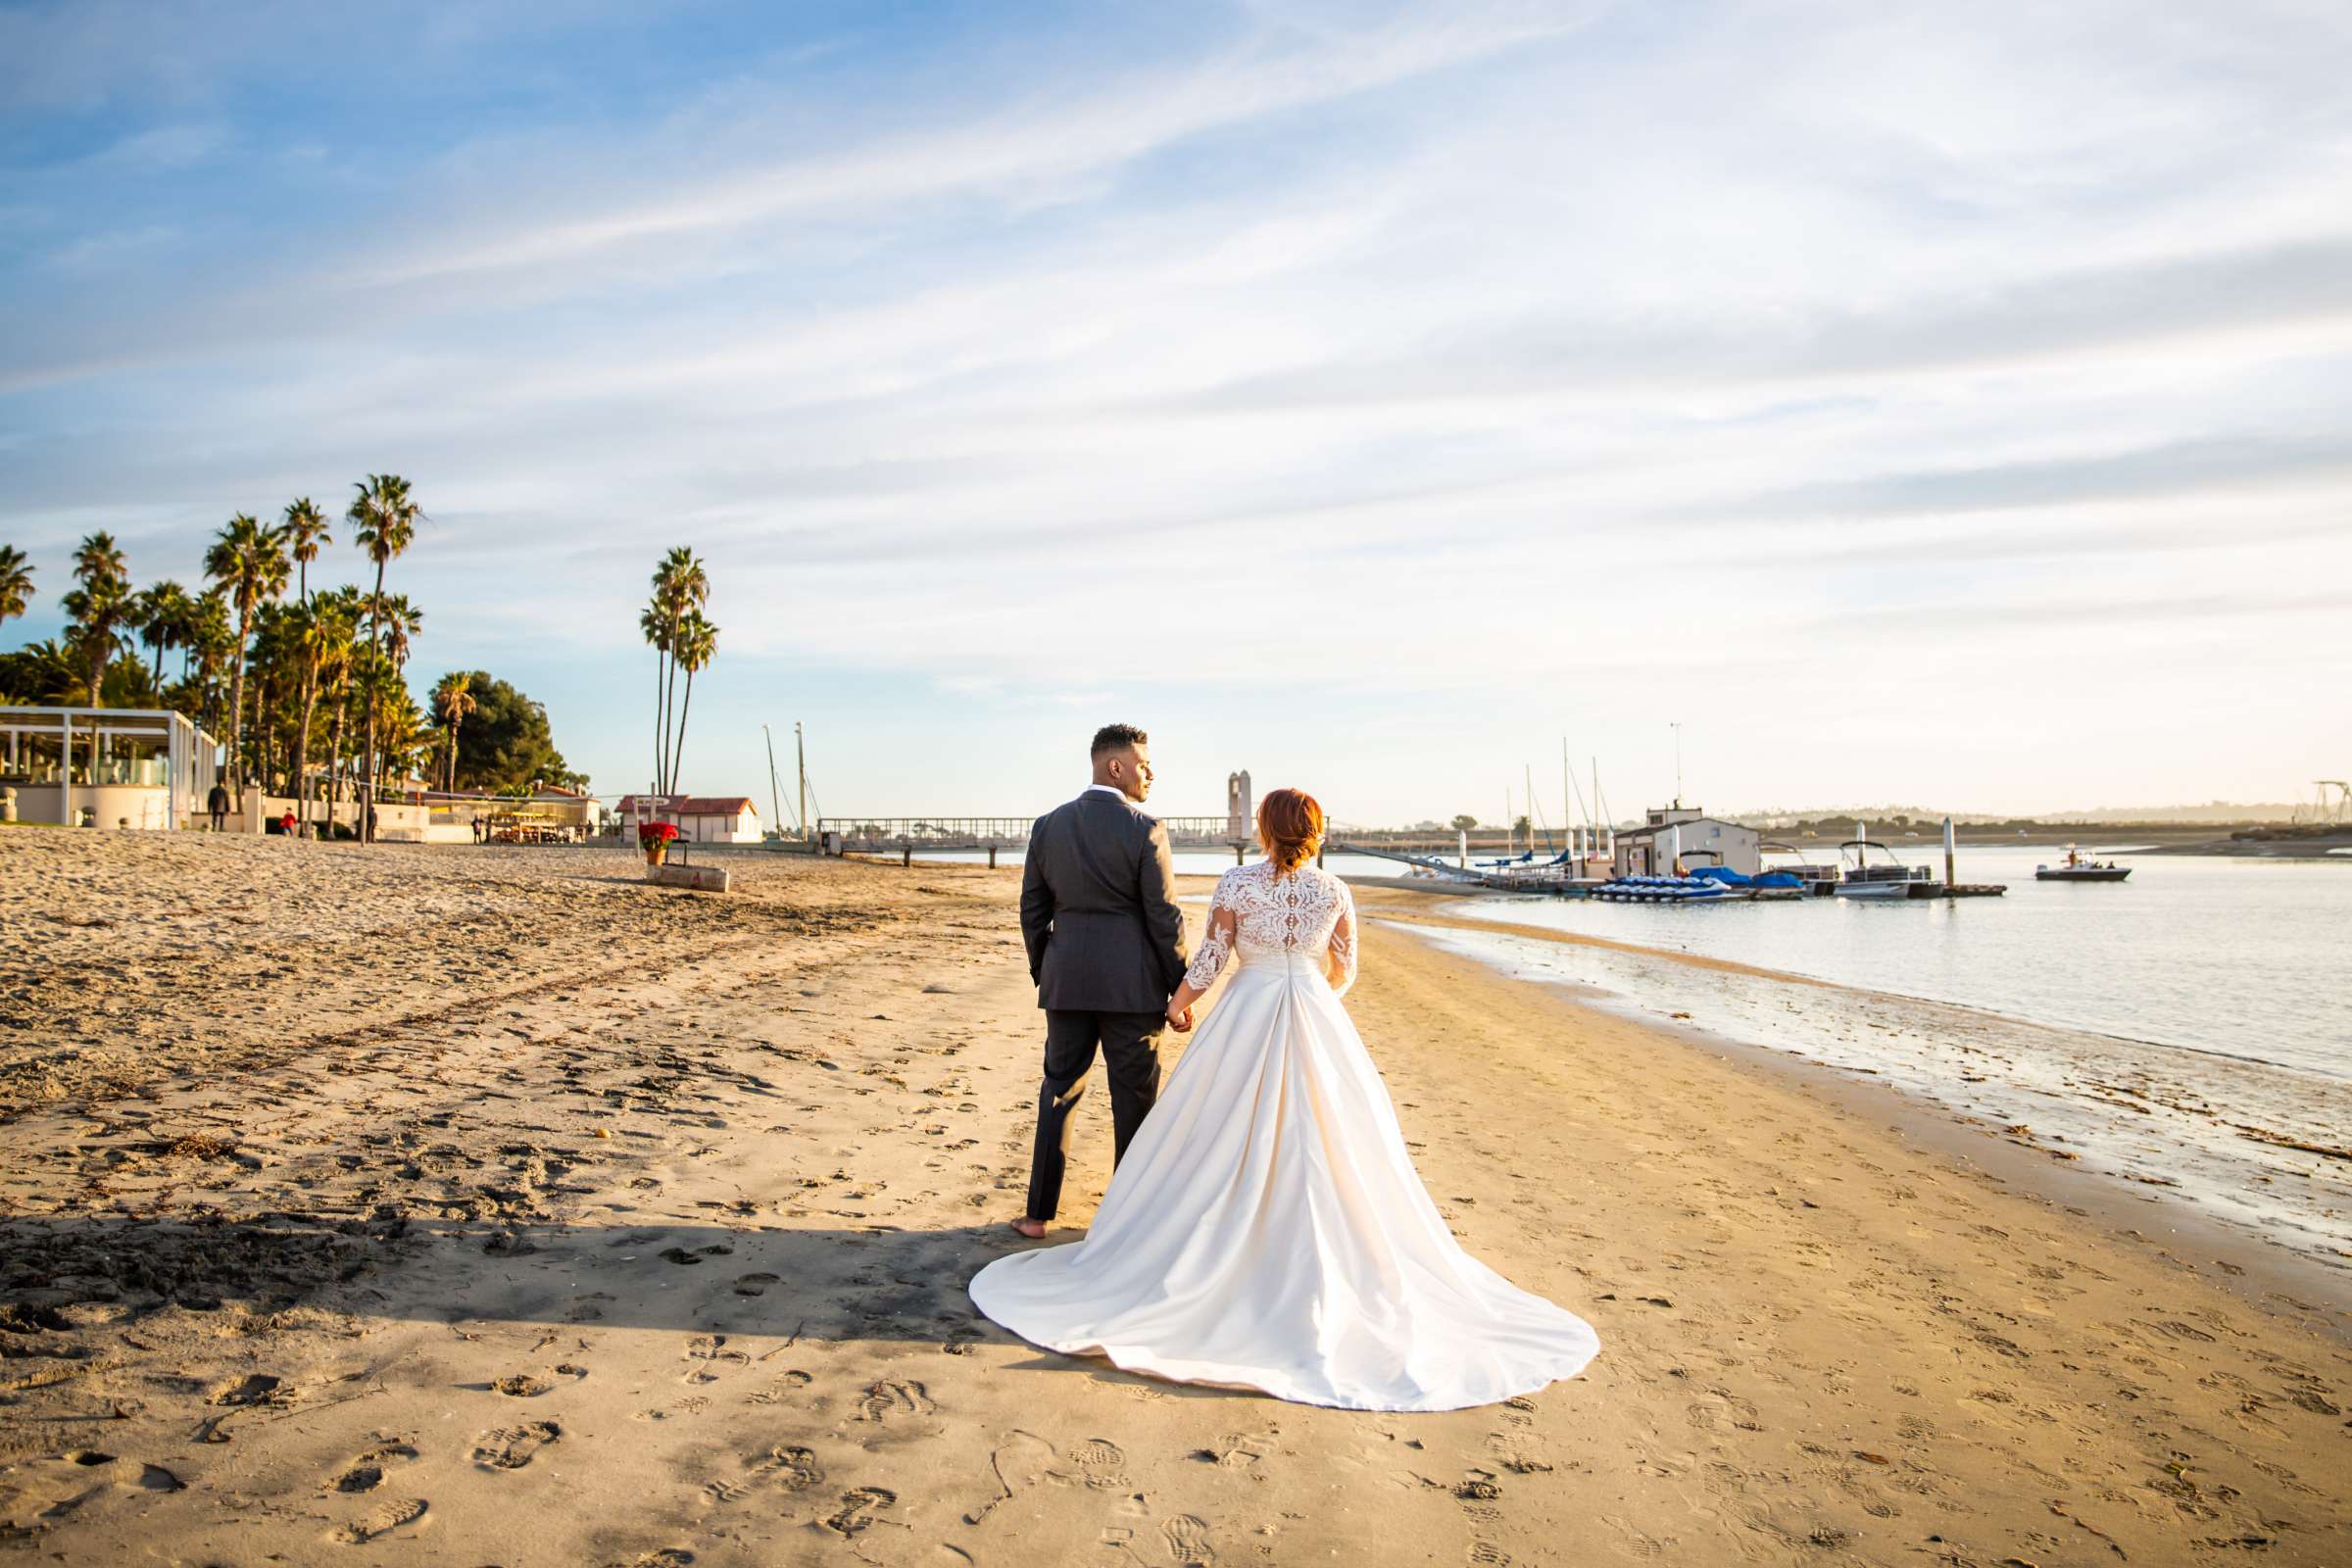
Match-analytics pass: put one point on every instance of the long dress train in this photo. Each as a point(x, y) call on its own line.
point(1267, 1228)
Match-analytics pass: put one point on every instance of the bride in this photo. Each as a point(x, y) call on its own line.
point(1267, 1228)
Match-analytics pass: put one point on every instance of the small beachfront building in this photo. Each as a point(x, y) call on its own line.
point(699, 818)
point(134, 767)
point(1683, 834)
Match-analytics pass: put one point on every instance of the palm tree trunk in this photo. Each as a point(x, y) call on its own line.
point(375, 626)
point(236, 719)
point(301, 748)
point(679, 755)
point(159, 671)
point(334, 758)
point(98, 677)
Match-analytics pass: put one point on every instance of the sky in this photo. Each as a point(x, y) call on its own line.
point(1913, 403)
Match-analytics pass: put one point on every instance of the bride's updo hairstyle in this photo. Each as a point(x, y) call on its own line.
point(1290, 824)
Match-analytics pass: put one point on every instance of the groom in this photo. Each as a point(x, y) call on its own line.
point(1106, 947)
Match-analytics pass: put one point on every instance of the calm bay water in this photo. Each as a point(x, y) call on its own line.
point(2249, 958)
point(1193, 862)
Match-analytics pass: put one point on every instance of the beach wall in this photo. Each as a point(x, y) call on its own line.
point(394, 824)
point(135, 805)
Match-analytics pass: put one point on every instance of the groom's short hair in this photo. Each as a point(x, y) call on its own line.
point(1117, 738)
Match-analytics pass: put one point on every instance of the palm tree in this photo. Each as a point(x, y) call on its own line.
point(402, 622)
point(336, 680)
point(101, 607)
point(680, 586)
point(272, 662)
point(99, 557)
point(453, 700)
point(163, 612)
point(305, 529)
point(16, 582)
point(45, 674)
point(249, 563)
point(212, 642)
point(384, 519)
point(321, 636)
point(656, 628)
point(697, 641)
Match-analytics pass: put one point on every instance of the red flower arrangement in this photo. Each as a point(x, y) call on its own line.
point(653, 835)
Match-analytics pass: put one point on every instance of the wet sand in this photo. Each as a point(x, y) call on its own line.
point(486, 1205)
point(2205, 1141)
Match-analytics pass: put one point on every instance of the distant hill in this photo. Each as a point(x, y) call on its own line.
point(2213, 813)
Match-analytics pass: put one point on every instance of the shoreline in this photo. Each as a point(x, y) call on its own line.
point(2080, 1132)
point(561, 1186)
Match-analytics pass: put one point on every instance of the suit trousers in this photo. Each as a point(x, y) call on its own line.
point(1130, 1046)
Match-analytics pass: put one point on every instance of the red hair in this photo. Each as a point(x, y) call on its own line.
point(1290, 824)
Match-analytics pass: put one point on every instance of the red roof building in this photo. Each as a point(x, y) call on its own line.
point(699, 818)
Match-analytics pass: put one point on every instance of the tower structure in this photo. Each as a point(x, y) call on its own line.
point(1241, 811)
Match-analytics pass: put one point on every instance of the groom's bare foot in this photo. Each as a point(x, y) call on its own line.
point(1034, 1229)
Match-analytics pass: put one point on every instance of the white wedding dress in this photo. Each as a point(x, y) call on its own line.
point(1266, 1229)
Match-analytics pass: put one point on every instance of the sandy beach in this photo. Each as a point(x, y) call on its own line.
point(457, 1205)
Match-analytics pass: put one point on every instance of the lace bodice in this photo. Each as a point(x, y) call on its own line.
point(1265, 917)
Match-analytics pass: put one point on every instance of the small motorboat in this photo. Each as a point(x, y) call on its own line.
point(1890, 878)
point(2077, 867)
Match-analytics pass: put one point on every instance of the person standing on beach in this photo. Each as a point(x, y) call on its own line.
point(217, 803)
point(1105, 945)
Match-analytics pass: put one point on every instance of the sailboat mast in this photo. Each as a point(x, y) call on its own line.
point(799, 747)
point(775, 796)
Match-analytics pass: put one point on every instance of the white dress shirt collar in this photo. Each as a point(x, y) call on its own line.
point(1108, 789)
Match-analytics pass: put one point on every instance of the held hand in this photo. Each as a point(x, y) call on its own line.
point(1180, 1019)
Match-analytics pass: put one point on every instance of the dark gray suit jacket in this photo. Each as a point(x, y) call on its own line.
point(1098, 908)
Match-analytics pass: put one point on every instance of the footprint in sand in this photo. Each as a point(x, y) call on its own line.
point(1188, 1542)
point(257, 1388)
point(586, 1308)
point(367, 1472)
point(513, 1447)
point(520, 1385)
point(686, 1259)
point(1102, 1462)
point(858, 1506)
point(1022, 1460)
point(1238, 1451)
point(381, 1520)
point(786, 1465)
point(890, 1399)
point(754, 1284)
point(783, 1389)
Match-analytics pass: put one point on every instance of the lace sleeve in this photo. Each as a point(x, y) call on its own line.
point(1217, 944)
point(1343, 941)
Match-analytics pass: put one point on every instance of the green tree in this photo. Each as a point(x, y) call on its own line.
point(681, 587)
point(506, 741)
point(696, 642)
point(383, 518)
point(305, 528)
point(41, 674)
point(248, 561)
point(101, 607)
point(1464, 822)
point(453, 700)
point(163, 612)
point(212, 644)
point(16, 584)
point(335, 681)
